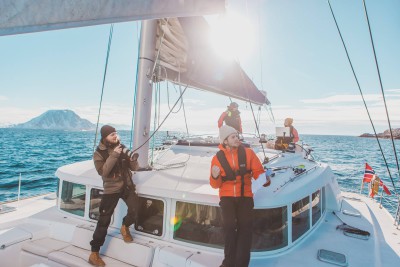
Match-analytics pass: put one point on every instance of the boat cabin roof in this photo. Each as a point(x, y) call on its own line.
point(182, 172)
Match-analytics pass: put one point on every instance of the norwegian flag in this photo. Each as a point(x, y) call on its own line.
point(368, 173)
point(387, 191)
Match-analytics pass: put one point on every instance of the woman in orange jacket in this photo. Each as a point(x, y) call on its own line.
point(231, 172)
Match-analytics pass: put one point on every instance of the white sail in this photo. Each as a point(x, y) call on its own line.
point(185, 56)
point(24, 16)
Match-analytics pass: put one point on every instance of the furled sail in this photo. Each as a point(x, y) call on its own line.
point(186, 57)
point(24, 16)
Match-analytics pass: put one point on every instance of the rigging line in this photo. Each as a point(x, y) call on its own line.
point(179, 82)
point(184, 115)
point(268, 108)
point(159, 104)
point(182, 103)
point(259, 115)
point(104, 81)
point(136, 85)
point(169, 103)
point(154, 122)
point(252, 111)
point(362, 96)
point(161, 122)
point(260, 44)
point(380, 83)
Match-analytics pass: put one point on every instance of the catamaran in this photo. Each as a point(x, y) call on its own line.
point(302, 219)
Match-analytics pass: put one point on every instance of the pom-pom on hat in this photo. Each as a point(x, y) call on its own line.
point(225, 131)
point(106, 130)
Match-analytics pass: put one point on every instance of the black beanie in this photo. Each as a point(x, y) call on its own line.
point(106, 130)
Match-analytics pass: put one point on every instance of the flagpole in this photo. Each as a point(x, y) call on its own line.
point(380, 203)
point(362, 186)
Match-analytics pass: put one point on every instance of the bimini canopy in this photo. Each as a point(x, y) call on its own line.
point(186, 57)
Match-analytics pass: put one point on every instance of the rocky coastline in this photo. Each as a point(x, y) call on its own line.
point(385, 134)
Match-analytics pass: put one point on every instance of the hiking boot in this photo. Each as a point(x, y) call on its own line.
point(126, 234)
point(95, 259)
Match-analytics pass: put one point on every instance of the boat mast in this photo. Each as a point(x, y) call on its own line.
point(145, 90)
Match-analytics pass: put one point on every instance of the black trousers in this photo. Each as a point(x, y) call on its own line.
point(107, 205)
point(237, 215)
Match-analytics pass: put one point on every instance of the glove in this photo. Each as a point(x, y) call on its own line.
point(215, 171)
point(268, 175)
point(268, 183)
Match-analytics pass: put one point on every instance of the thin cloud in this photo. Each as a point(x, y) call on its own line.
point(196, 102)
point(342, 99)
point(3, 98)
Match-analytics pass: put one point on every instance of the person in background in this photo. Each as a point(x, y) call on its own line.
point(114, 164)
point(231, 117)
point(293, 132)
point(232, 170)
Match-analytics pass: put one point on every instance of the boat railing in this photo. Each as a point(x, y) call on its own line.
point(4, 205)
point(388, 202)
point(397, 217)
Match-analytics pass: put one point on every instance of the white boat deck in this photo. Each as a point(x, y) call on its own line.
point(382, 249)
point(38, 232)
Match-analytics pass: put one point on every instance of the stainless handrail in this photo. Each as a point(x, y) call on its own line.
point(397, 217)
point(388, 202)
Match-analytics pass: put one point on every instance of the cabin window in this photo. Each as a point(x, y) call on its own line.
point(198, 224)
point(73, 198)
point(94, 206)
point(202, 225)
point(316, 206)
point(150, 216)
point(58, 188)
point(300, 217)
point(270, 229)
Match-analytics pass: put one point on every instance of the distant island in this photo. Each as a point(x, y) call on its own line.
point(65, 119)
point(385, 134)
point(58, 120)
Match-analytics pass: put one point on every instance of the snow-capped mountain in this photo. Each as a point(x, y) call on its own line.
point(58, 120)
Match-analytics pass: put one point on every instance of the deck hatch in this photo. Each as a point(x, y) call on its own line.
point(332, 257)
point(351, 213)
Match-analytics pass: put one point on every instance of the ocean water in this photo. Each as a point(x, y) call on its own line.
point(35, 155)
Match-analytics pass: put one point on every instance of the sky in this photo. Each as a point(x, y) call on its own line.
point(290, 49)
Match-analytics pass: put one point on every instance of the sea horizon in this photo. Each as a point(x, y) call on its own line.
point(36, 155)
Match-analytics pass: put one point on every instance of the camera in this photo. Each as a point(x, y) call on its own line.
point(129, 154)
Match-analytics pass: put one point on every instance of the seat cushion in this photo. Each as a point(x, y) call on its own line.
point(44, 246)
point(77, 257)
point(114, 247)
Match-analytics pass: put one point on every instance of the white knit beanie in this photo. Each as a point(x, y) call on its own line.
point(225, 131)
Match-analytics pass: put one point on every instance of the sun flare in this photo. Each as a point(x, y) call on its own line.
point(231, 36)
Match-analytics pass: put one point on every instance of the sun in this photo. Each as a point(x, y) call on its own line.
point(231, 36)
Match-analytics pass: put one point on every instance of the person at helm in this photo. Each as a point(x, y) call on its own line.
point(293, 132)
point(231, 117)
